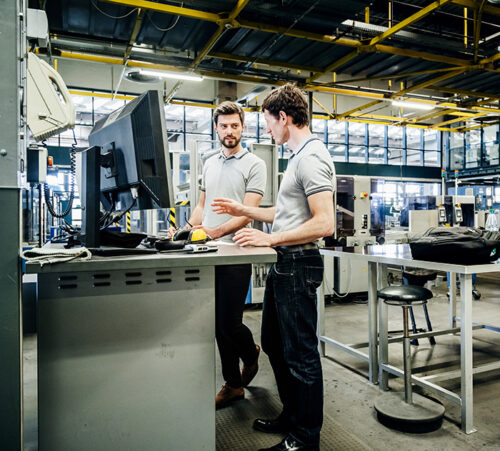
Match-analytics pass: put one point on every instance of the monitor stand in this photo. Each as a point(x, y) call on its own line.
point(91, 190)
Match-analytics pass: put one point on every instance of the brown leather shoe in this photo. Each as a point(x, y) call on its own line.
point(227, 395)
point(249, 372)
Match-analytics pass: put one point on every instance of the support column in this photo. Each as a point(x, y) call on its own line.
point(12, 46)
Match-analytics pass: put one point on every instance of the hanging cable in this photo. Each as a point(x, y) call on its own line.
point(109, 15)
point(46, 188)
point(169, 27)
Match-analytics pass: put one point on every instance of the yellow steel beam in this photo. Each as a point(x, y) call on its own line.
point(409, 20)
point(211, 42)
point(219, 18)
point(397, 76)
point(243, 78)
point(458, 119)
point(490, 60)
point(461, 130)
point(208, 46)
point(237, 9)
point(327, 116)
point(272, 63)
point(269, 28)
point(135, 32)
point(466, 33)
point(344, 92)
point(380, 116)
point(105, 95)
point(432, 115)
point(424, 84)
point(109, 95)
point(330, 114)
point(169, 9)
point(488, 9)
point(359, 108)
point(465, 92)
point(422, 55)
point(88, 57)
point(486, 110)
point(460, 113)
point(406, 91)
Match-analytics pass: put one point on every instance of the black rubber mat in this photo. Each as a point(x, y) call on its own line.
point(234, 427)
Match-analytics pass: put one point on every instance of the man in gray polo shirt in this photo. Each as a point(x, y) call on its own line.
point(237, 174)
point(303, 214)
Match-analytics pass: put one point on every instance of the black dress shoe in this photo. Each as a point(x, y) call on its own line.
point(276, 426)
point(290, 443)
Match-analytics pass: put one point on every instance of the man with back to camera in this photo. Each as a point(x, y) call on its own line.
point(303, 214)
point(237, 174)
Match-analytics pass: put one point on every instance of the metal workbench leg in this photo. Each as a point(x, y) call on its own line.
point(320, 301)
point(372, 322)
point(466, 352)
point(453, 299)
point(383, 349)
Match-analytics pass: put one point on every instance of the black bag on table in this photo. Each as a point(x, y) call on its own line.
point(461, 245)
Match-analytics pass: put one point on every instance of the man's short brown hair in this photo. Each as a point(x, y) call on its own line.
point(291, 101)
point(229, 108)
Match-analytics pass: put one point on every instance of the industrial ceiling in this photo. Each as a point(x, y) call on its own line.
point(441, 53)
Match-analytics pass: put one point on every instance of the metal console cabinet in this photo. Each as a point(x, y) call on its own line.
point(126, 355)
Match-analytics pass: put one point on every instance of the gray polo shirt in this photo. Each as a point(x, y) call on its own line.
point(310, 170)
point(232, 178)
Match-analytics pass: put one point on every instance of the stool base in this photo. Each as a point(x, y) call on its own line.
point(423, 415)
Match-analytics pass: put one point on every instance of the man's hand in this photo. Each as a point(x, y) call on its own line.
point(252, 237)
point(213, 233)
point(171, 232)
point(228, 206)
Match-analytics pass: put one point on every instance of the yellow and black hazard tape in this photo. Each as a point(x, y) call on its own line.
point(171, 217)
point(184, 202)
point(128, 222)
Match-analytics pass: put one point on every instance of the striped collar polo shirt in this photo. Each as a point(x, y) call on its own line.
point(310, 170)
point(231, 177)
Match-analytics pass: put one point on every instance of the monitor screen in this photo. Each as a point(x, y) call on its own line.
point(134, 155)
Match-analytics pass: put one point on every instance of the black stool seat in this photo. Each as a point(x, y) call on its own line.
point(406, 294)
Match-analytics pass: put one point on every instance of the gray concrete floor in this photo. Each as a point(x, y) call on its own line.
point(349, 396)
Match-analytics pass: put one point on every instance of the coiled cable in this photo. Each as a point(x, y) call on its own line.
point(46, 189)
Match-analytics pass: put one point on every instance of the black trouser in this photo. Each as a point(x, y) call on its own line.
point(289, 322)
point(234, 339)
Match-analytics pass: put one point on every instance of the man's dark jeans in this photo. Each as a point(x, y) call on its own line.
point(289, 322)
point(234, 339)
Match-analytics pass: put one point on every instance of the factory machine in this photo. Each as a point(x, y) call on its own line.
point(360, 221)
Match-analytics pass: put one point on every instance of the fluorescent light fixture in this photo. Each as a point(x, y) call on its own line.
point(174, 75)
point(414, 105)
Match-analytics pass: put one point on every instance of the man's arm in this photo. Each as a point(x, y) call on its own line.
point(197, 213)
point(233, 208)
point(320, 225)
point(251, 200)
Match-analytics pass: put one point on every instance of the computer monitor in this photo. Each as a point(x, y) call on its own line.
point(133, 140)
point(128, 165)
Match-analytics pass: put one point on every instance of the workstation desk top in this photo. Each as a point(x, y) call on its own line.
point(225, 255)
point(400, 254)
